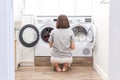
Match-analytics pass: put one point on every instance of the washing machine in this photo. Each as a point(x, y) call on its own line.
point(84, 32)
point(44, 25)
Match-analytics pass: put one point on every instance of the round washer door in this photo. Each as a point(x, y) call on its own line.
point(80, 33)
point(45, 33)
point(29, 35)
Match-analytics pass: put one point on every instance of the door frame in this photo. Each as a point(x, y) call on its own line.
point(7, 68)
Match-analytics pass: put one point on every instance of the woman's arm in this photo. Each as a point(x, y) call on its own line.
point(50, 44)
point(72, 45)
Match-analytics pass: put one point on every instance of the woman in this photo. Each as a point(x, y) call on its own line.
point(62, 42)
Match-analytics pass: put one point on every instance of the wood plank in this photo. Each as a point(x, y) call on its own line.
point(47, 73)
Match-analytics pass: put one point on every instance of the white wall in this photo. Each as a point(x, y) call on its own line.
point(56, 7)
point(101, 20)
point(6, 41)
point(114, 56)
point(18, 7)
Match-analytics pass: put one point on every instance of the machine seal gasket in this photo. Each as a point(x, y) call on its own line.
point(21, 37)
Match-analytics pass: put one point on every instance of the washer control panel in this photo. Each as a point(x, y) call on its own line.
point(42, 19)
point(79, 19)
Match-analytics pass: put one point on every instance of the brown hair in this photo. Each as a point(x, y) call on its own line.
point(62, 22)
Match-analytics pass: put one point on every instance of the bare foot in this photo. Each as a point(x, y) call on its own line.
point(57, 67)
point(65, 67)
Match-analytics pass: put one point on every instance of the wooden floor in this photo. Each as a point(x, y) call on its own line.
point(47, 73)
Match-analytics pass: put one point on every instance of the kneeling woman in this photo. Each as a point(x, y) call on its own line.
point(62, 41)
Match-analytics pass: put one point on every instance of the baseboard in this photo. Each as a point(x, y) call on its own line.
point(103, 75)
point(27, 64)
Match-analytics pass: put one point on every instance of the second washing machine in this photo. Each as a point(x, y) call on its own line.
point(85, 33)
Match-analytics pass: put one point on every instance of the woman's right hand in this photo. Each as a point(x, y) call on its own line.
point(72, 45)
